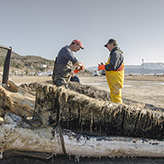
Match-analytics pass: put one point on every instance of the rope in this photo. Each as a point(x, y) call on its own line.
point(62, 140)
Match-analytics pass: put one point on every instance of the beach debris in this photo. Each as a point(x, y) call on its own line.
point(6, 64)
point(48, 141)
point(68, 122)
point(14, 99)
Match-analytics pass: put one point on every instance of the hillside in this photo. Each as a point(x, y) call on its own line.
point(156, 66)
point(25, 63)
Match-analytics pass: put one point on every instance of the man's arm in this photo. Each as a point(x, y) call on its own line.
point(79, 67)
point(77, 64)
point(115, 62)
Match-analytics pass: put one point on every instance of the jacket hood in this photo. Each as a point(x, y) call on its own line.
point(116, 48)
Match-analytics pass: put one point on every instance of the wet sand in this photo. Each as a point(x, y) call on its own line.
point(145, 89)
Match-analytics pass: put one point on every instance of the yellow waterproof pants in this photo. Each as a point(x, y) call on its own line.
point(115, 81)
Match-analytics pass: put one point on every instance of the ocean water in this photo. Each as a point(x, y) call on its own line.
point(139, 71)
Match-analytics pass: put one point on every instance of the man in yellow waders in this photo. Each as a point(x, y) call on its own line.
point(114, 70)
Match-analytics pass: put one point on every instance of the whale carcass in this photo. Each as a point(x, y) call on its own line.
point(65, 121)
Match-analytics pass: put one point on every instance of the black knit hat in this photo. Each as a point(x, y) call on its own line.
point(111, 41)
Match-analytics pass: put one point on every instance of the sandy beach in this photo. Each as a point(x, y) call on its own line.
point(143, 89)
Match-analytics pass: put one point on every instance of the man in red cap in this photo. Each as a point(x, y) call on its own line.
point(64, 63)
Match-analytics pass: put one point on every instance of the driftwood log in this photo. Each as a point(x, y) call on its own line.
point(14, 99)
point(57, 141)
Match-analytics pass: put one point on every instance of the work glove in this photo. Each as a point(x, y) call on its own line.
point(77, 69)
point(82, 67)
point(101, 67)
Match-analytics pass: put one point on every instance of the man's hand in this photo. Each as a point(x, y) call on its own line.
point(82, 67)
point(77, 69)
point(101, 67)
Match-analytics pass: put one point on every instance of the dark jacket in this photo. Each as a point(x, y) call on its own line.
point(116, 60)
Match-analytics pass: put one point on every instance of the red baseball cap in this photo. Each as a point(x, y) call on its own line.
point(78, 42)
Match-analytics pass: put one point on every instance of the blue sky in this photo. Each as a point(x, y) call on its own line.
point(43, 27)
